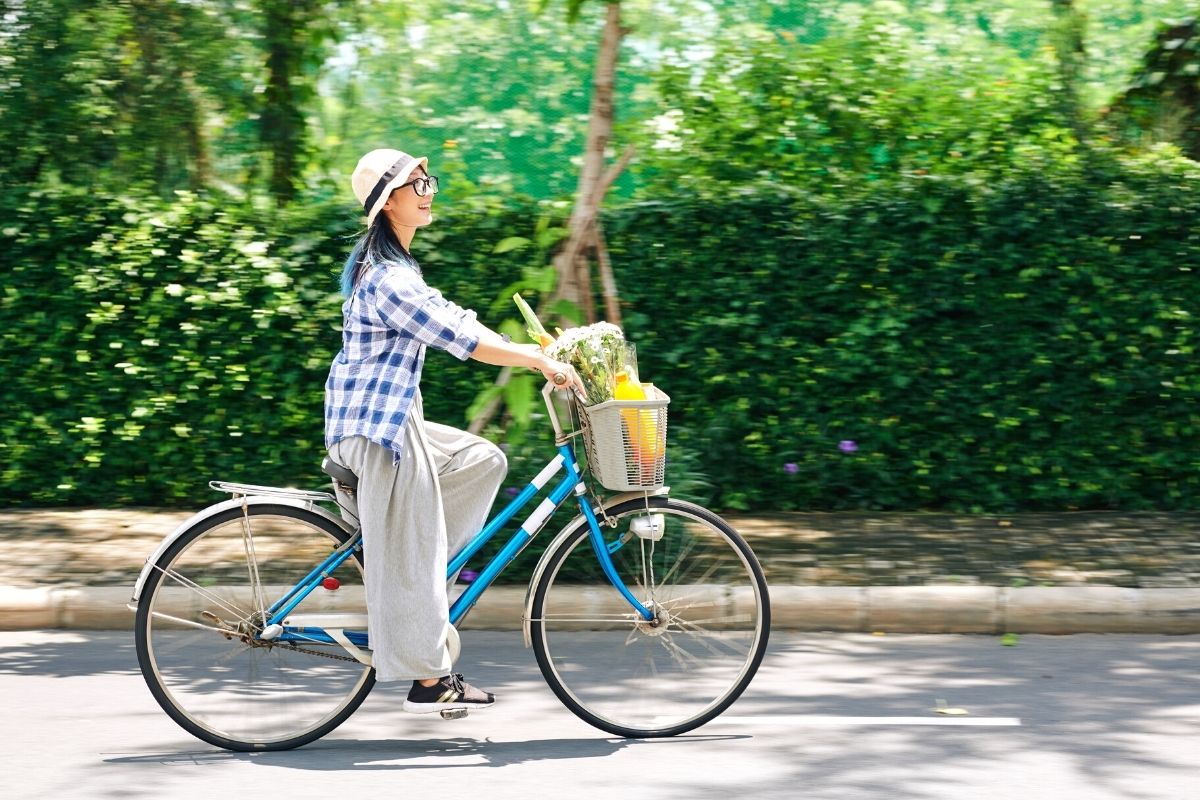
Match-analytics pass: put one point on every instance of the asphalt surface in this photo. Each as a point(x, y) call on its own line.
point(829, 716)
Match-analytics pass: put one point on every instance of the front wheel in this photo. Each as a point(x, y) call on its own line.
point(637, 678)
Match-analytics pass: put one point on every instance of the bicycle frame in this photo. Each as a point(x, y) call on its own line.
point(570, 483)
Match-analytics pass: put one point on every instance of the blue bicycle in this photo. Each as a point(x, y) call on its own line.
point(648, 616)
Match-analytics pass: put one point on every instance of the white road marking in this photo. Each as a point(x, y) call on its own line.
point(806, 720)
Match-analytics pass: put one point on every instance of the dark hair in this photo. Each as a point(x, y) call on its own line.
point(378, 244)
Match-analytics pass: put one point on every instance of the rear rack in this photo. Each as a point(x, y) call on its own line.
point(251, 490)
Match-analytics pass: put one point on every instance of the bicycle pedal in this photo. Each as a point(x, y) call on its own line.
point(453, 713)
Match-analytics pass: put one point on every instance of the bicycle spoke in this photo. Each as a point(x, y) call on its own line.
point(188, 583)
point(709, 643)
point(675, 601)
point(257, 595)
point(680, 560)
point(187, 622)
point(627, 619)
point(632, 637)
point(681, 656)
point(730, 618)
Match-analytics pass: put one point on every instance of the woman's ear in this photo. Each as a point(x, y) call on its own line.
point(389, 205)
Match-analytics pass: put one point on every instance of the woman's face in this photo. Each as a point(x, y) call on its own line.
point(405, 209)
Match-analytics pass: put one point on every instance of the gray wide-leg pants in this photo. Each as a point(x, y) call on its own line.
point(413, 515)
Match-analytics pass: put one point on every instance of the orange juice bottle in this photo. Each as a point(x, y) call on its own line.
point(639, 425)
point(652, 450)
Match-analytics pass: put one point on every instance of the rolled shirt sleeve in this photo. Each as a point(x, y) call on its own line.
point(406, 303)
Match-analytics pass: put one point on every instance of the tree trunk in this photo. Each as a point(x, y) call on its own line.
point(201, 166)
point(1070, 50)
point(573, 281)
point(492, 407)
point(612, 306)
point(282, 122)
point(608, 283)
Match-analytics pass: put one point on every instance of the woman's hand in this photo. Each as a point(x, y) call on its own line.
point(561, 375)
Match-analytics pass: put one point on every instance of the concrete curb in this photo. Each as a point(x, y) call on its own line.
point(986, 609)
point(891, 609)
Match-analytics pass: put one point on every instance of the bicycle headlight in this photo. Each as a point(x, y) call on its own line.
point(650, 526)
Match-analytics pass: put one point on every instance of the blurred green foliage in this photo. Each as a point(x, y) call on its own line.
point(882, 255)
point(226, 93)
point(877, 100)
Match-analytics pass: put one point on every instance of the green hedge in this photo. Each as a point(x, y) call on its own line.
point(150, 347)
point(1024, 345)
point(1017, 345)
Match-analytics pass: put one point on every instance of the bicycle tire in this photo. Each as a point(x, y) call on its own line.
point(628, 678)
point(219, 689)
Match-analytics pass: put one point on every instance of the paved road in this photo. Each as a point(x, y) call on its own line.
point(830, 717)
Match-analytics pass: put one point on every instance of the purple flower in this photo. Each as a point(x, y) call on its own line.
point(467, 576)
point(791, 468)
point(512, 491)
point(848, 446)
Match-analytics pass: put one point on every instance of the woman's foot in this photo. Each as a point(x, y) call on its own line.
point(448, 693)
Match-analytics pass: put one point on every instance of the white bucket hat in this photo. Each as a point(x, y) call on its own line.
point(378, 173)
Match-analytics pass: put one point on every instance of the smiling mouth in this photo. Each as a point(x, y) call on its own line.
point(425, 207)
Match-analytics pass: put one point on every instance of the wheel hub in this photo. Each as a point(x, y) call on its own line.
point(657, 626)
point(245, 631)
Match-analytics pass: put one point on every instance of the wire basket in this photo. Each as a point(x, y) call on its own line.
point(626, 442)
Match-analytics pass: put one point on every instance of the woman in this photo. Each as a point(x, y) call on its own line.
point(423, 488)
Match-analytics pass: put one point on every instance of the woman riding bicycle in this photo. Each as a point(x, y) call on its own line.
point(423, 488)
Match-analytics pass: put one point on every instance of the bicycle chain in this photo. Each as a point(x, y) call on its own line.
point(291, 648)
point(245, 638)
point(322, 654)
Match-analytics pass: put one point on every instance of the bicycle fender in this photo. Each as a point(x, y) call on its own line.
point(567, 529)
point(219, 508)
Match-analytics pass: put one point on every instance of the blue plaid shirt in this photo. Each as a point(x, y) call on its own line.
point(388, 321)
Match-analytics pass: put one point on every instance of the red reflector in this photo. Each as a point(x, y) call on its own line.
point(331, 583)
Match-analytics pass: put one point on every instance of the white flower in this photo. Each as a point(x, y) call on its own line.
point(597, 352)
point(589, 335)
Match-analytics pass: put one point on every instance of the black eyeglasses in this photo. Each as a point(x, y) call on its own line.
point(423, 186)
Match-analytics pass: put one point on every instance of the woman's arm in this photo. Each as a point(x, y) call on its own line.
point(495, 350)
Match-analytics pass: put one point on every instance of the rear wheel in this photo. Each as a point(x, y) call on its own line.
point(200, 615)
point(636, 678)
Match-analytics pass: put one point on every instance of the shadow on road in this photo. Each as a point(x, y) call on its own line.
point(1091, 705)
point(67, 654)
point(338, 755)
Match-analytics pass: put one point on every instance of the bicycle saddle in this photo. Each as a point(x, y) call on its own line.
point(345, 478)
